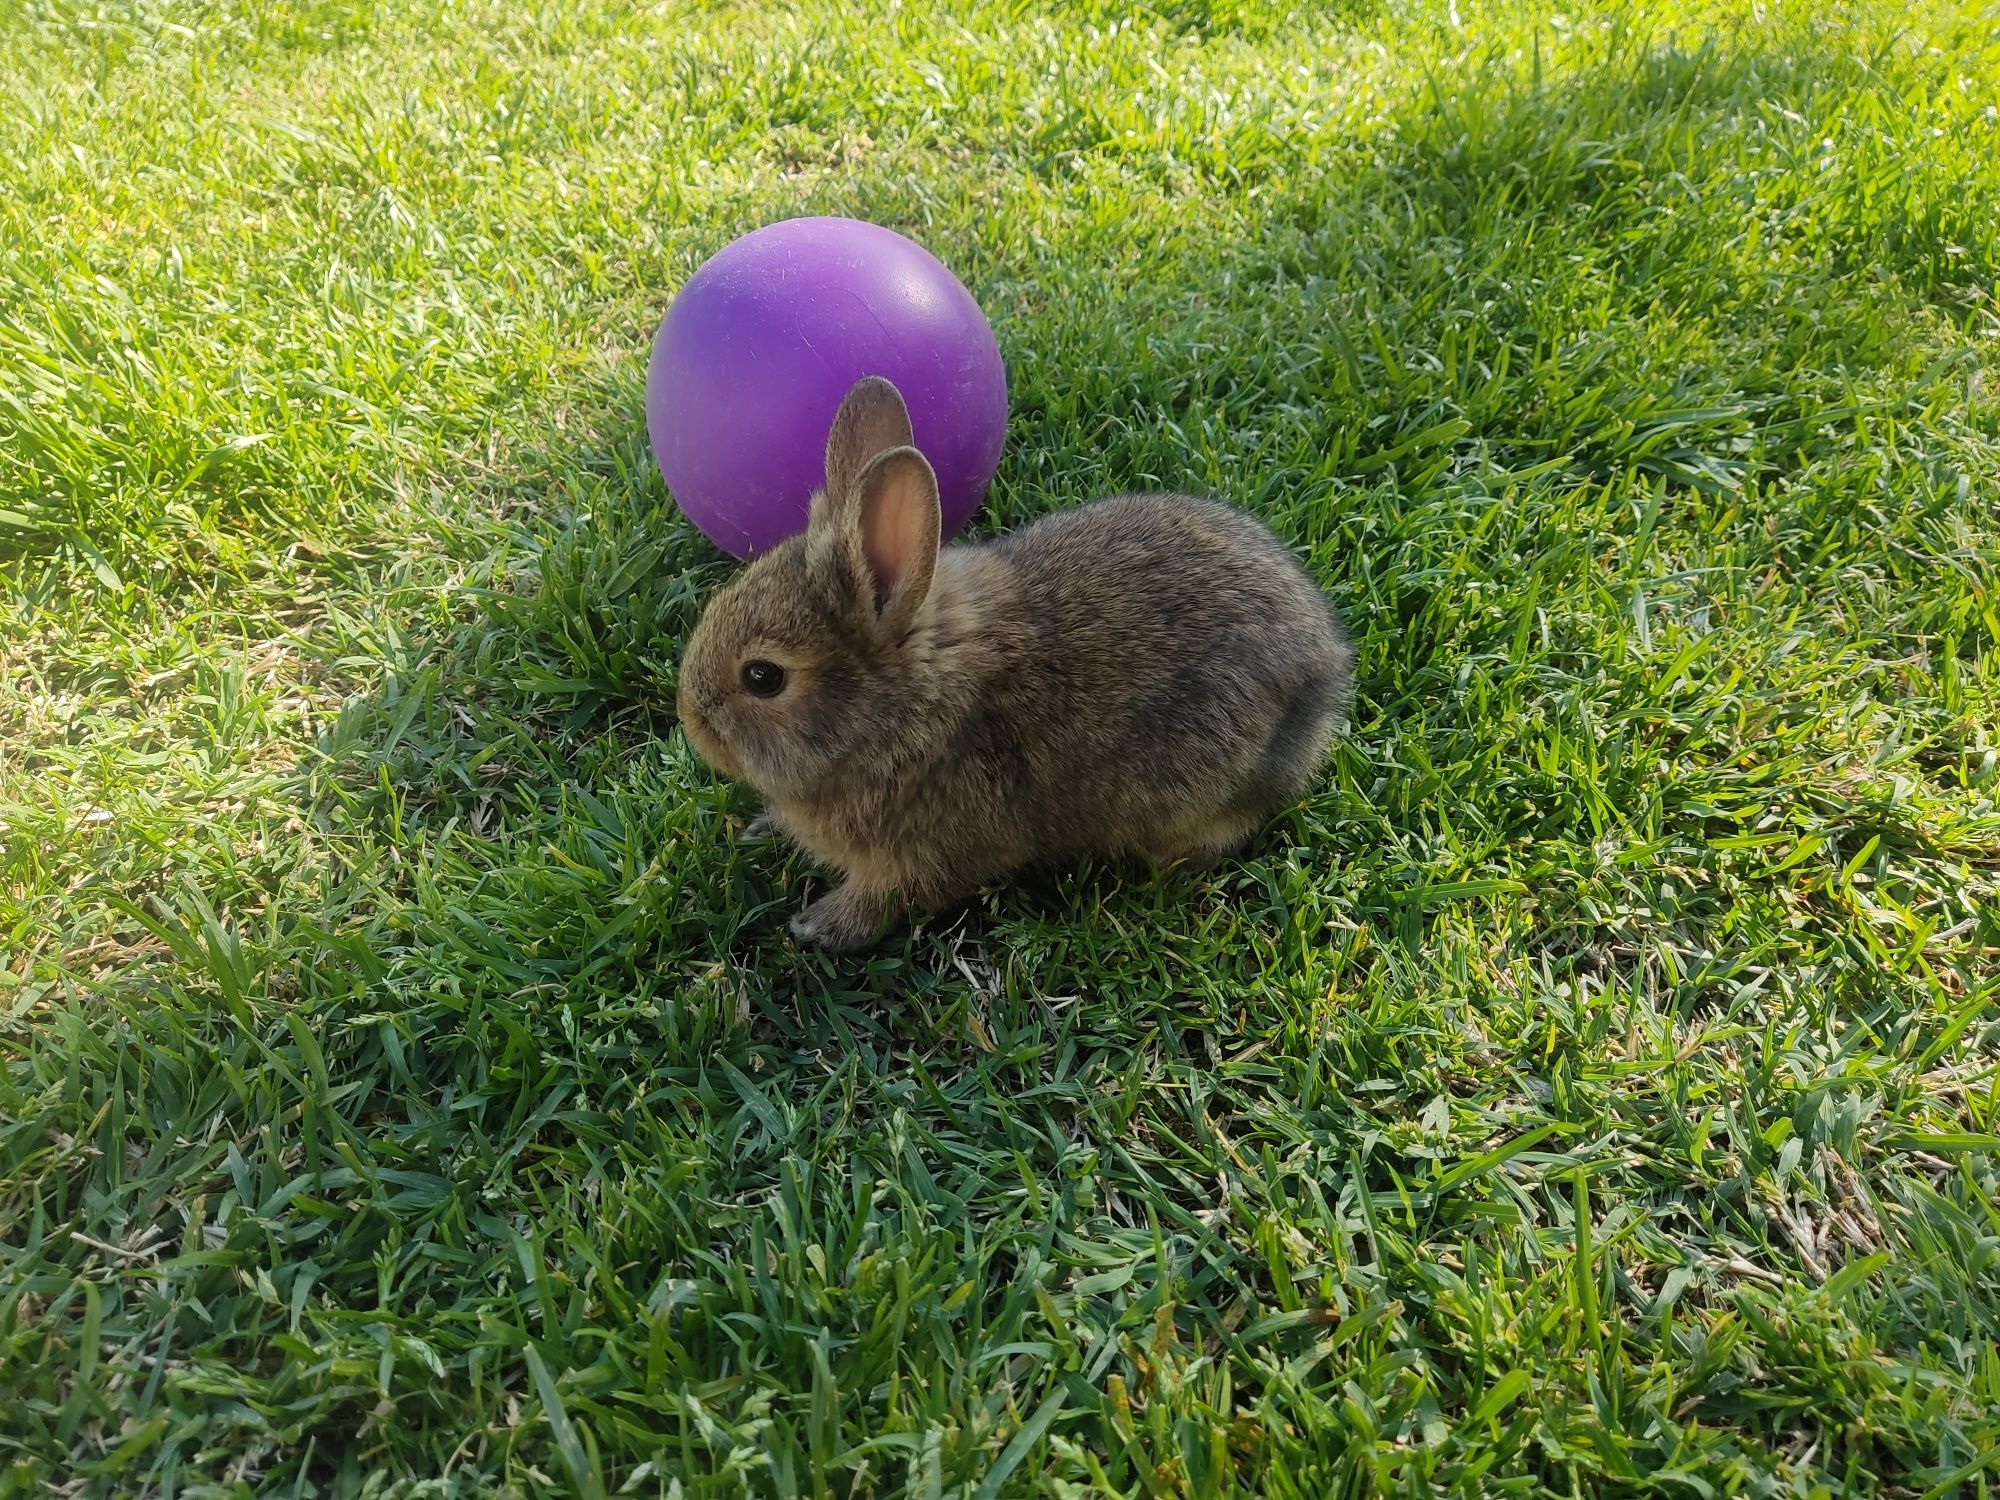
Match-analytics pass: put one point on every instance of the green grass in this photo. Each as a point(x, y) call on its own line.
point(406, 1086)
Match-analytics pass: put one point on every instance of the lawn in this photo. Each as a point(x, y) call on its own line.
point(407, 1086)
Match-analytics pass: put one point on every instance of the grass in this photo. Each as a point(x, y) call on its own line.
point(407, 1088)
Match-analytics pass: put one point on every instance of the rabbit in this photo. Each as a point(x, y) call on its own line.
point(1146, 675)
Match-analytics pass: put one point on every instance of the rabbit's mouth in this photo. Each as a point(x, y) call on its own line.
point(705, 742)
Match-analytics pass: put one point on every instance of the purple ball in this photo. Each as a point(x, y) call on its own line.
point(755, 353)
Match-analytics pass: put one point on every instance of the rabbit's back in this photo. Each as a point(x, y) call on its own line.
point(1154, 571)
point(1169, 676)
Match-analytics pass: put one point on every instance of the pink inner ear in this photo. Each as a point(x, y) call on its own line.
point(892, 534)
point(895, 531)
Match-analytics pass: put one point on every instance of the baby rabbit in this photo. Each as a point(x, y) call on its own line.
point(1147, 674)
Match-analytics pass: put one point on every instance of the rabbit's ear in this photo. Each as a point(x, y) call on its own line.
point(872, 419)
point(898, 510)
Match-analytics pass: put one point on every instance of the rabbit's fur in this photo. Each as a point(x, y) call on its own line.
point(1147, 674)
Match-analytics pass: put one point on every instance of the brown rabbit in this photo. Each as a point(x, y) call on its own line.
point(1146, 674)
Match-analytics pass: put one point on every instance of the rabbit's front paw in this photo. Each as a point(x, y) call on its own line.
point(844, 921)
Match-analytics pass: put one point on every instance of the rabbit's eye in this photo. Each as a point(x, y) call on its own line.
point(763, 679)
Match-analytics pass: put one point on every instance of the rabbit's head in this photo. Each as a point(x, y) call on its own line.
point(801, 668)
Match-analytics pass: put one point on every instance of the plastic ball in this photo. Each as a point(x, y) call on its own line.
point(760, 345)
